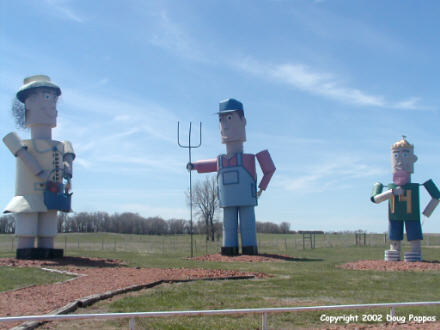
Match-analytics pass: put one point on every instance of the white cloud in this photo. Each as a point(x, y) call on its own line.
point(139, 115)
point(411, 103)
point(61, 9)
point(83, 162)
point(325, 176)
point(117, 134)
point(301, 77)
point(173, 37)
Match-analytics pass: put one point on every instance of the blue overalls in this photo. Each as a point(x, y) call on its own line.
point(237, 194)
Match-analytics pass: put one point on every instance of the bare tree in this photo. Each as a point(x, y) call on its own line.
point(285, 227)
point(177, 226)
point(205, 200)
point(7, 224)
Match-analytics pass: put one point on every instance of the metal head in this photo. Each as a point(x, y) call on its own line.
point(40, 106)
point(402, 161)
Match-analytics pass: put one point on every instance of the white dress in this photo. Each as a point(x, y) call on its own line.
point(29, 188)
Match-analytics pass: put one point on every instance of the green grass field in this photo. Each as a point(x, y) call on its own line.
point(315, 280)
point(16, 278)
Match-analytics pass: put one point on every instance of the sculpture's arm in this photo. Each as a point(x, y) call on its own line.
point(268, 168)
point(377, 196)
point(18, 149)
point(435, 196)
point(68, 157)
point(203, 166)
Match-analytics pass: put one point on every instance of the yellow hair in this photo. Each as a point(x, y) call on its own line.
point(403, 143)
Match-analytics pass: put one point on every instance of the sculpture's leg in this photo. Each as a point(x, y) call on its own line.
point(230, 234)
point(26, 229)
point(416, 246)
point(47, 229)
point(248, 230)
point(395, 234)
point(415, 236)
point(395, 245)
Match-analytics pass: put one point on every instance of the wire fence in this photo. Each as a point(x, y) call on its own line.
point(136, 319)
point(180, 244)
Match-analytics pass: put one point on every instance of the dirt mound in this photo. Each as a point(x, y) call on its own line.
point(392, 266)
point(246, 258)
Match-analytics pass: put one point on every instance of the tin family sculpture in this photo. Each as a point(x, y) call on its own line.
point(44, 172)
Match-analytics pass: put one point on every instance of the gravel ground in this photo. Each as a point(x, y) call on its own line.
point(393, 266)
point(101, 275)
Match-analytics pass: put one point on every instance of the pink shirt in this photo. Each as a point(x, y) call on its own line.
point(263, 157)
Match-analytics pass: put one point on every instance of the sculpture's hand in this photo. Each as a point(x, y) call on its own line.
point(398, 191)
point(190, 166)
point(68, 186)
point(259, 193)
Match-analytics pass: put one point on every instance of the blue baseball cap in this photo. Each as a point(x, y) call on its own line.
point(229, 105)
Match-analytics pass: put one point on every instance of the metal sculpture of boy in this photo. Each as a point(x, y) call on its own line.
point(403, 207)
point(42, 163)
point(236, 179)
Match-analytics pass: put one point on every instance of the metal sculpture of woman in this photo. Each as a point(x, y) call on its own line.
point(42, 164)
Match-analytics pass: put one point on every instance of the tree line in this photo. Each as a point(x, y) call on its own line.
point(133, 223)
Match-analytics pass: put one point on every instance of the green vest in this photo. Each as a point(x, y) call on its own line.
point(406, 206)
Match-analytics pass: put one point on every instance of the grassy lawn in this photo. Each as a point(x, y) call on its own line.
point(15, 278)
point(313, 280)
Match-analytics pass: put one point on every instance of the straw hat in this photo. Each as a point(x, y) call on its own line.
point(35, 82)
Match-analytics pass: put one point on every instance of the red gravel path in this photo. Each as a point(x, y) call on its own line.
point(102, 275)
point(392, 266)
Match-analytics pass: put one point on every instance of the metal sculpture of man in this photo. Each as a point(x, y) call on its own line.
point(41, 166)
point(237, 180)
point(403, 206)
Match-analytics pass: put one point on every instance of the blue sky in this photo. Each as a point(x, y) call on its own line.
point(327, 87)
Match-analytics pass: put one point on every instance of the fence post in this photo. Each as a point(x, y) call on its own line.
point(264, 322)
point(392, 312)
point(12, 243)
point(65, 242)
point(131, 324)
point(78, 243)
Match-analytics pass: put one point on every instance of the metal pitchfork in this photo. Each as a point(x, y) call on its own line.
point(189, 147)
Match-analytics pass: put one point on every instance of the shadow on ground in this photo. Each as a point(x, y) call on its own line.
point(287, 258)
point(60, 262)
